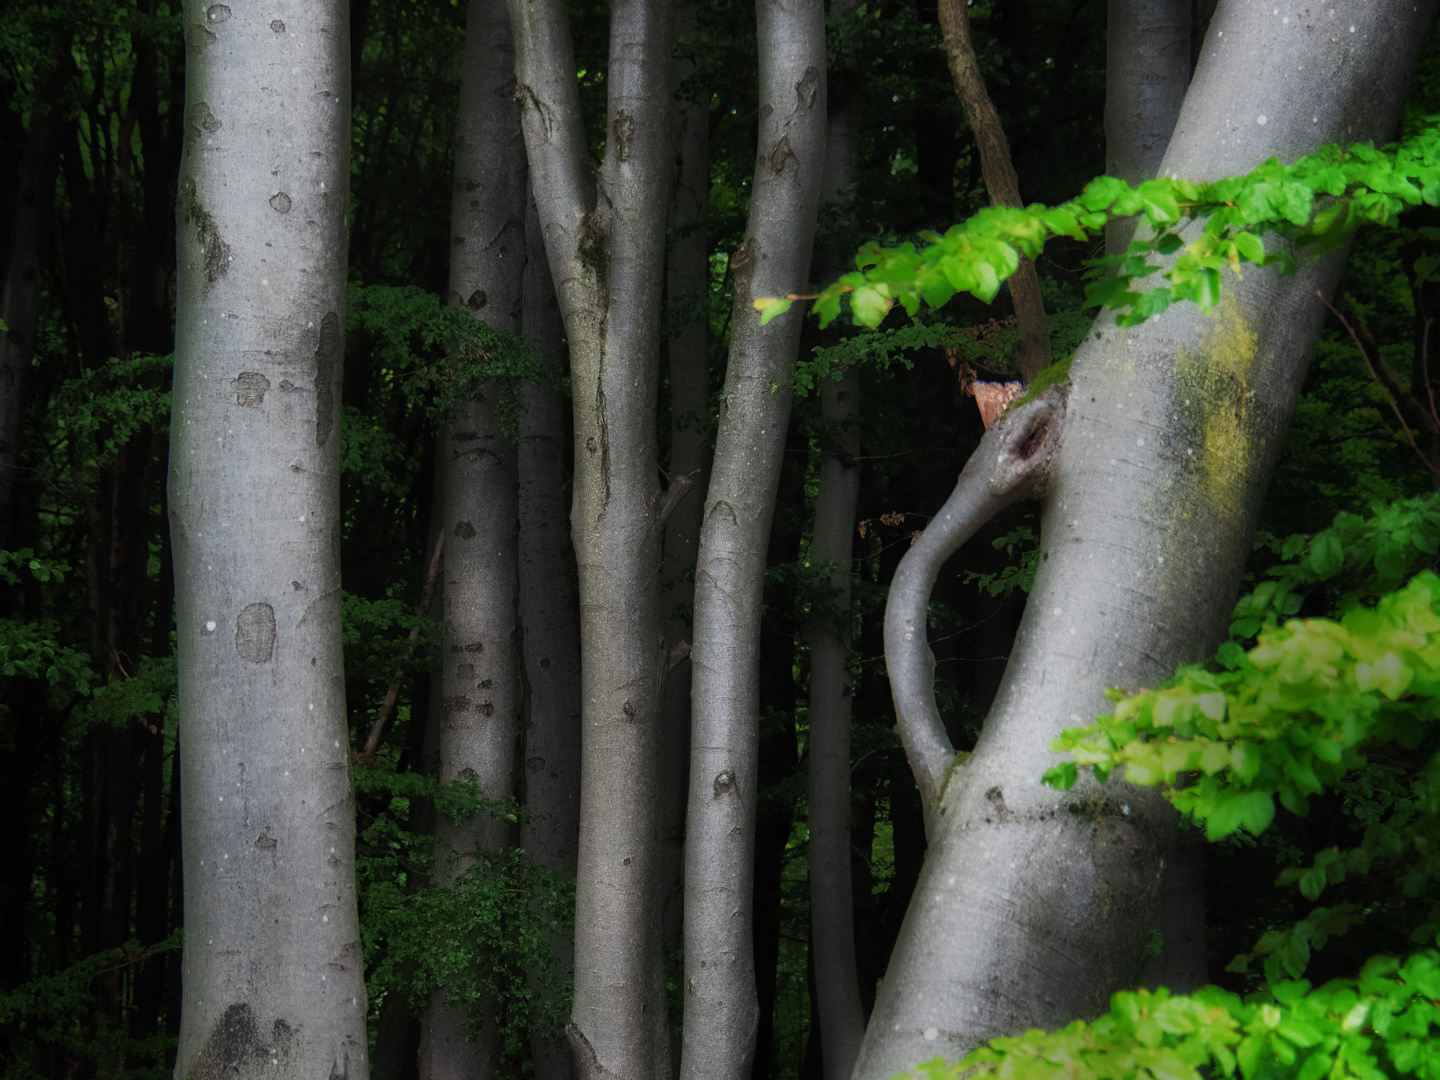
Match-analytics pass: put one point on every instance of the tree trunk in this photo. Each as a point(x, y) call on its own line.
point(687, 295)
point(1000, 180)
point(549, 619)
point(605, 236)
point(1147, 67)
point(720, 1004)
point(272, 964)
point(842, 1022)
point(1034, 905)
point(480, 672)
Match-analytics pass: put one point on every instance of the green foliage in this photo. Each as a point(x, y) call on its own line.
point(484, 938)
point(114, 403)
point(40, 569)
point(989, 345)
point(1022, 548)
point(54, 1013)
point(437, 354)
point(1365, 185)
point(35, 651)
point(1384, 1024)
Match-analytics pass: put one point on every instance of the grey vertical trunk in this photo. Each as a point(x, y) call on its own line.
point(480, 676)
point(1147, 68)
point(1034, 905)
point(832, 924)
point(272, 964)
point(550, 621)
point(687, 290)
point(604, 233)
point(832, 917)
point(720, 1003)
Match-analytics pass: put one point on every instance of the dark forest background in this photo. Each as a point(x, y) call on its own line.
point(90, 136)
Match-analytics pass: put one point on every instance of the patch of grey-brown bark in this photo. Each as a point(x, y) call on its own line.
point(207, 233)
point(476, 301)
point(624, 128)
point(201, 118)
point(280, 202)
point(217, 13)
point(781, 154)
point(464, 530)
point(277, 25)
point(329, 355)
point(255, 633)
point(234, 1042)
point(250, 387)
point(808, 88)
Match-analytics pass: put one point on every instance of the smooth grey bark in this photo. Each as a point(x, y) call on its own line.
point(687, 292)
point(832, 923)
point(1034, 905)
point(549, 619)
point(272, 966)
point(480, 663)
point(721, 1011)
point(1147, 68)
point(838, 1009)
point(604, 231)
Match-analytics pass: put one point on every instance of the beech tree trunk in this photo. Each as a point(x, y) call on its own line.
point(272, 965)
point(1147, 68)
point(549, 619)
point(721, 1013)
point(480, 663)
point(842, 1021)
point(1034, 905)
point(687, 294)
point(604, 233)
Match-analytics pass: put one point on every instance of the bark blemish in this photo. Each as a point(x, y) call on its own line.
point(217, 13)
point(250, 387)
point(234, 1046)
point(808, 88)
point(329, 355)
point(724, 784)
point(202, 119)
point(781, 154)
point(280, 202)
point(255, 633)
point(624, 128)
point(1217, 378)
point(207, 233)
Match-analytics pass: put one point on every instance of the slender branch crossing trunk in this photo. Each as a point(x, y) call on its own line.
point(272, 964)
point(480, 676)
point(550, 621)
point(1034, 905)
point(1000, 179)
point(604, 232)
point(687, 291)
point(1147, 68)
point(721, 1013)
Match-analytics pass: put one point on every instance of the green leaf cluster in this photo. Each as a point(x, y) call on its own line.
point(1382, 1025)
point(1314, 204)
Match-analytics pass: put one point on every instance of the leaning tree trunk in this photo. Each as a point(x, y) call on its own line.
point(687, 293)
point(550, 622)
point(272, 964)
point(480, 672)
point(1147, 67)
point(605, 235)
point(721, 1013)
point(1034, 905)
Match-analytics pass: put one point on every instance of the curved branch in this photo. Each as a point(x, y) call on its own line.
point(1010, 464)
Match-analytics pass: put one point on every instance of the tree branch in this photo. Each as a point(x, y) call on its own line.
point(372, 743)
point(1000, 179)
point(1011, 464)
